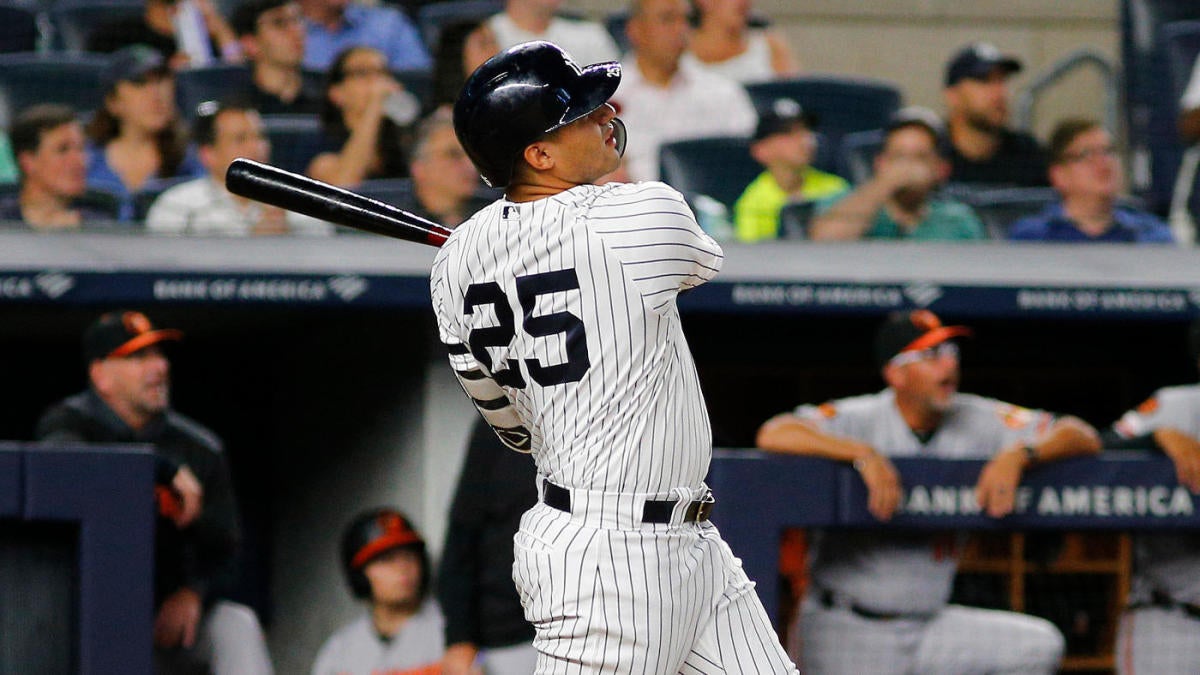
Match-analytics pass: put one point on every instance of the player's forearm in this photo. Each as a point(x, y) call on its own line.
point(791, 435)
point(1068, 437)
point(1174, 442)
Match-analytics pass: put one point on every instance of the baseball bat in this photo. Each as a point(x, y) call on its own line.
point(272, 185)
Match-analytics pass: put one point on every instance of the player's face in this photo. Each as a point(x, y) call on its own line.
point(928, 377)
point(1090, 168)
point(395, 577)
point(983, 102)
point(59, 165)
point(586, 149)
point(140, 380)
point(279, 39)
point(239, 133)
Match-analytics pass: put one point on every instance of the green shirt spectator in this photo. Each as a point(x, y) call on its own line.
point(943, 220)
point(8, 165)
point(756, 212)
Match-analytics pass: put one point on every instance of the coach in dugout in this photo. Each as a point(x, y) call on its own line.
point(879, 599)
point(127, 401)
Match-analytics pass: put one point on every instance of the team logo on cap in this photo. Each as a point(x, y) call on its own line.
point(136, 323)
point(925, 320)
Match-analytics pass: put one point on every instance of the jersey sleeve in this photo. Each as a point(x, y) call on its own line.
point(1013, 423)
point(1166, 408)
point(485, 393)
point(830, 417)
point(651, 230)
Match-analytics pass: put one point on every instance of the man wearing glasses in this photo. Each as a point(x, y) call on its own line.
point(1086, 173)
point(879, 599)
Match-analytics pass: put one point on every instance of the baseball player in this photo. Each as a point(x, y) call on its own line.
point(386, 564)
point(878, 600)
point(1160, 629)
point(557, 305)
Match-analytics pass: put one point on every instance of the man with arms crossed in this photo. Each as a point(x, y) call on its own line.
point(557, 305)
point(878, 601)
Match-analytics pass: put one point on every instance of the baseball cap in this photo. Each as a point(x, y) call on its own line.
point(978, 59)
point(390, 530)
point(782, 115)
point(122, 333)
point(912, 332)
point(918, 116)
point(131, 64)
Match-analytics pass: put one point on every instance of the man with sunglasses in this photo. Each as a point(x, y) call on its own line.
point(879, 599)
point(1086, 173)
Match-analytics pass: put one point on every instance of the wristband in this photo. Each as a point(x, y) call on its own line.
point(860, 463)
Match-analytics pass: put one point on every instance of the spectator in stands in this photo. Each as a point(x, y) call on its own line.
point(332, 26)
point(526, 20)
point(128, 401)
point(49, 144)
point(783, 143)
point(386, 564)
point(203, 206)
point(272, 38)
point(724, 43)
point(1158, 630)
point(157, 28)
point(982, 148)
point(137, 140)
point(445, 182)
point(855, 620)
point(8, 163)
point(662, 99)
point(898, 201)
point(1189, 106)
point(365, 137)
point(462, 47)
point(485, 623)
point(1086, 173)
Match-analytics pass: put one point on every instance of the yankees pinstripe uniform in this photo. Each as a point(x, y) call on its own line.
point(1160, 629)
point(560, 318)
point(879, 599)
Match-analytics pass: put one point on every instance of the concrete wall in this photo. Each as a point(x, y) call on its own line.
point(909, 41)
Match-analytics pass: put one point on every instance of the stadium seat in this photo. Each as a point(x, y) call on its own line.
point(74, 20)
point(794, 219)
point(103, 201)
point(19, 27)
point(720, 167)
point(144, 199)
point(431, 19)
point(858, 150)
point(70, 79)
point(193, 86)
point(295, 140)
point(395, 191)
point(842, 105)
point(999, 208)
point(1151, 107)
point(417, 81)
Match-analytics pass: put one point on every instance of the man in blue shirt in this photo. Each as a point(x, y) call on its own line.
point(1086, 173)
point(333, 25)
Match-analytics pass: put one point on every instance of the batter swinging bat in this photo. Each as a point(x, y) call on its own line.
point(272, 185)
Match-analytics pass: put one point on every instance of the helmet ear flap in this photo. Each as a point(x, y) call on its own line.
point(620, 135)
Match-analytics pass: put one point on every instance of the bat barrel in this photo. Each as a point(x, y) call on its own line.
point(291, 191)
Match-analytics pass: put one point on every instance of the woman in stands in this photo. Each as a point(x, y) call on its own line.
point(367, 121)
point(136, 140)
point(725, 43)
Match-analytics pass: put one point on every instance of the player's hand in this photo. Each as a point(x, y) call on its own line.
point(191, 496)
point(178, 619)
point(996, 490)
point(459, 659)
point(883, 484)
point(1184, 452)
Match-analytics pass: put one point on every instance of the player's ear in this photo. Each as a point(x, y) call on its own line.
point(893, 375)
point(538, 158)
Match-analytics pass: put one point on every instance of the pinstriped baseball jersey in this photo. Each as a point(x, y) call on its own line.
point(908, 573)
point(1167, 562)
point(568, 305)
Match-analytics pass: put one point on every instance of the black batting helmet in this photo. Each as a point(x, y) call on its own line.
point(370, 535)
point(521, 93)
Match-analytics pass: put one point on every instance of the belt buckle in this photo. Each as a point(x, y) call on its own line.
point(704, 508)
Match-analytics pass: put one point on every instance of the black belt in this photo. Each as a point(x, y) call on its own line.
point(829, 600)
point(656, 511)
point(1164, 601)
